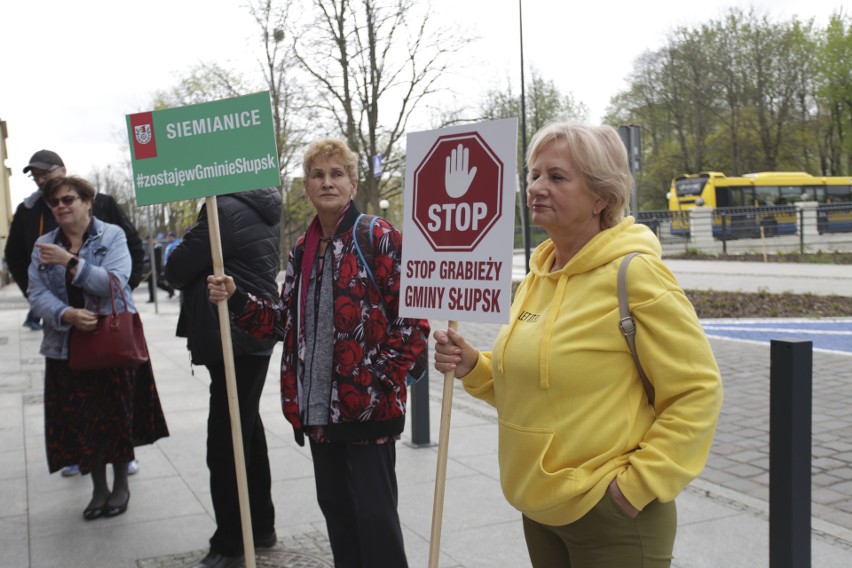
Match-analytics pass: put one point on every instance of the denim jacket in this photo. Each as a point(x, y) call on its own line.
point(104, 251)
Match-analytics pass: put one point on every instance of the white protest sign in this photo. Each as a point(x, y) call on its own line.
point(459, 222)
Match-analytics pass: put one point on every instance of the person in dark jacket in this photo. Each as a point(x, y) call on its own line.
point(249, 228)
point(154, 245)
point(33, 218)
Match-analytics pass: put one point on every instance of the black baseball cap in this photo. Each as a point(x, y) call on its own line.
point(44, 160)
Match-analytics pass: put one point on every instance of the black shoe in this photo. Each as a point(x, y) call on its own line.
point(266, 541)
point(92, 513)
point(116, 510)
point(215, 560)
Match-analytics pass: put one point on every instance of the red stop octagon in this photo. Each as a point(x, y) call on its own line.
point(458, 223)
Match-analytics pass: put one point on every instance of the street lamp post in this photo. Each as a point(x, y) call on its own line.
point(525, 212)
point(383, 205)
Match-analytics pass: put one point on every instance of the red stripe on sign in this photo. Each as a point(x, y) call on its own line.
point(142, 130)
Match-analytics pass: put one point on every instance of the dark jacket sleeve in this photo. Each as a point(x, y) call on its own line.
point(106, 209)
point(17, 255)
point(191, 262)
point(192, 258)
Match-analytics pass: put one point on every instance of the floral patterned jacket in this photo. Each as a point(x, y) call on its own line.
point(373, 350)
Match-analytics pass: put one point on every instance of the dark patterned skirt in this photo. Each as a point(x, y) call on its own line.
point(99, 413)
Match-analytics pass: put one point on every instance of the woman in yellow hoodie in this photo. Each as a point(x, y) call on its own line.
point(591, 464)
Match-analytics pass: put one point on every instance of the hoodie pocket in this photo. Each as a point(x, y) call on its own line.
point(531, 477)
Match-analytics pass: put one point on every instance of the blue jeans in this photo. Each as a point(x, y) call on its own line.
point(32, 319)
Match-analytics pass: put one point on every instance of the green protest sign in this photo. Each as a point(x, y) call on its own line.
point(204, 149)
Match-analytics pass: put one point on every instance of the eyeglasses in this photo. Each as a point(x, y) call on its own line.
point(36, 174)
point(64, 200)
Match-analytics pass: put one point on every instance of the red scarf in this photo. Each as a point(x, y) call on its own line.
point(312, 241)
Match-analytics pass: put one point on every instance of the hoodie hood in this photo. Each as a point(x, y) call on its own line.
point(266, 202)
point(33, 198)
point(605, 247)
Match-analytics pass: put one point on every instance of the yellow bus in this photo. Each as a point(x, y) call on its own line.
point(746, 203)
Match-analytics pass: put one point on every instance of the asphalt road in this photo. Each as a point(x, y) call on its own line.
point(830, 335)
point(734, 276)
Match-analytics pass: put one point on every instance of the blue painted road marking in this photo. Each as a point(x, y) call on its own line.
point(827, 334)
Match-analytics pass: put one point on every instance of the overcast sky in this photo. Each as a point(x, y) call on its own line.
point(71, 71)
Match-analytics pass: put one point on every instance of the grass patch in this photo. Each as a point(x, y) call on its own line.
point(713, 304)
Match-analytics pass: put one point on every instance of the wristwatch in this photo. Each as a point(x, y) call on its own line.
point(72, 262)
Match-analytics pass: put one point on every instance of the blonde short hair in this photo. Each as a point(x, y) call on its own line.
point(599, 155)
point(331, 147)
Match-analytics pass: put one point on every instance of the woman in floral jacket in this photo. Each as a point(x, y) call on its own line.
point(346, 356)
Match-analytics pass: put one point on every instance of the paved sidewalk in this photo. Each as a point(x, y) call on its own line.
point(723, 519)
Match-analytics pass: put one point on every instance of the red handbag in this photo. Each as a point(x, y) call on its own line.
point(117, 341)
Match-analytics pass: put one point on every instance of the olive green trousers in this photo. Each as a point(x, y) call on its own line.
point(606, 538)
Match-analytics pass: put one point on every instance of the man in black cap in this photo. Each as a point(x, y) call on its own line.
point(33, 218)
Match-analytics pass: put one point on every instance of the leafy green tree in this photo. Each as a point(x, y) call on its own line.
point(834, 64)
point(741, 94)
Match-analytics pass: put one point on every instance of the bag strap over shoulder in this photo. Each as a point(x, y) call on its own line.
point(420, 368)
point(628, 326)
point(356, 238)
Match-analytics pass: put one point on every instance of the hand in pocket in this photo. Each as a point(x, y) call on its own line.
point(622, 502)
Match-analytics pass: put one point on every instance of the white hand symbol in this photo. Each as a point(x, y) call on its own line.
point(457, 178)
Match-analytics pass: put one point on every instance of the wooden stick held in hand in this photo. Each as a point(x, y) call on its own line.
point(441, 473)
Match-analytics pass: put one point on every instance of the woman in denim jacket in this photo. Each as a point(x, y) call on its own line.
point(91, 417)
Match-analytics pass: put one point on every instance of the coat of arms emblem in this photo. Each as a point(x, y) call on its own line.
point(142, 133)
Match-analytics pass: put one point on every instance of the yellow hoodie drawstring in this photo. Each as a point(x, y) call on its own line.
point(512, 323)
point(544, 353)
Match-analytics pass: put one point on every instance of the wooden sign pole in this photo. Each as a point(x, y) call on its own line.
point(441, 473)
